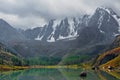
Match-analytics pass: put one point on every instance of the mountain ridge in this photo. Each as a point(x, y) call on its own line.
point(70, 28)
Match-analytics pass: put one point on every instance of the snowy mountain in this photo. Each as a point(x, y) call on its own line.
point(104, 21)
point(114, 15)
point(61, 29)
point(102, 26)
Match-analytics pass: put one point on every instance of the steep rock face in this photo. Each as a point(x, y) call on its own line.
point(59, 29)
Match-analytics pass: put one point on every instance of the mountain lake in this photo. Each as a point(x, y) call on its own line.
point(55, 74)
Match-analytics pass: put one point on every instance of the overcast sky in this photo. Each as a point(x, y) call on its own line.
point(32, 13)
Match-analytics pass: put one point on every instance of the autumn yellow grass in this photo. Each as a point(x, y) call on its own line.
point(115, 64)
point(55, 66)
point(8, 68)
point(115, 51)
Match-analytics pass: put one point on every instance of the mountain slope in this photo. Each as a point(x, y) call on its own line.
point(32, 33)
point(7, 58)
point(8, 33)
point(114, 63)
point(111, 56)
point(107, 56)
point(81, 55)
point(60, 37)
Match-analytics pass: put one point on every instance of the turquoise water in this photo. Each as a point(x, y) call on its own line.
point(53, 74)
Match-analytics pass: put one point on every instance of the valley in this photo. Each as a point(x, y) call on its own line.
point(87, 42)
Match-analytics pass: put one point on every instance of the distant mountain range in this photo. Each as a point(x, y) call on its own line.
point(62, 36)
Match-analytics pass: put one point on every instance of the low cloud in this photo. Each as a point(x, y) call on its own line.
point(31, 13)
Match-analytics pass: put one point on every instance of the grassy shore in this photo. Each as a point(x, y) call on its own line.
point(8, 68)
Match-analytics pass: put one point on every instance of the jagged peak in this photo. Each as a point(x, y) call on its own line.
point(106, 9)
point(2, 20)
